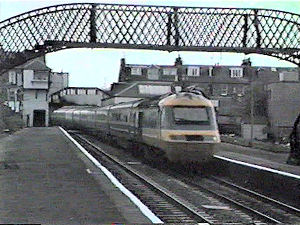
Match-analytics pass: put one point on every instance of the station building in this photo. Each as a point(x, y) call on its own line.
point(28, 87)
point(78, 96)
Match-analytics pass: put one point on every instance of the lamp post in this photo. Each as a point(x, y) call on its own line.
point(251, 107)
point(250, 72)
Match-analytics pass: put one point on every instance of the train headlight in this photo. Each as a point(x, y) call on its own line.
point(178, 137)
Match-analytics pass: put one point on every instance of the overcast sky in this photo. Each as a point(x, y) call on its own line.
point(100, 67)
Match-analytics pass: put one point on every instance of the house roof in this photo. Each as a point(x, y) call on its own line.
point(202, 65)
point(131, 89)
point(35, 64)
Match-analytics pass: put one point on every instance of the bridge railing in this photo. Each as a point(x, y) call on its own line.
point(269, 32)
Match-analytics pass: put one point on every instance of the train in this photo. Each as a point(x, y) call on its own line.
point(180, 127)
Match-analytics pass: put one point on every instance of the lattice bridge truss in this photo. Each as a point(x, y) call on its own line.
point(35, 33)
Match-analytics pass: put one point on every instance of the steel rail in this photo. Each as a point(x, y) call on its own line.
point(262, 197)
point(263, 216)
point(150, 183)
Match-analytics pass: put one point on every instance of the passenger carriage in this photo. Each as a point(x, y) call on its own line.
point(180, 126)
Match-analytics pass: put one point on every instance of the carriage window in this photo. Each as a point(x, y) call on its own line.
point(117, 116)
point(124, 117)
point(150, 118)
point(101, 116)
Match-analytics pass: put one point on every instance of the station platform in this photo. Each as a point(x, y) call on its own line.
point(45, 179)
point(272, 161)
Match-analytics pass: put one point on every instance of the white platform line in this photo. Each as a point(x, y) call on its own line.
point(144, 209)
point(259, 167)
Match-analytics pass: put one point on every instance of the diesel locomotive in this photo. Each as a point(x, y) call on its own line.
point(180, 126)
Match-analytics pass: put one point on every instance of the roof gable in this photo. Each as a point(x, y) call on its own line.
point(35, 64)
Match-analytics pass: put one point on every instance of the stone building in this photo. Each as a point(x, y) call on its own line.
point(283, 103)
point(58, 81)
point(228, 86)
point(78, 96)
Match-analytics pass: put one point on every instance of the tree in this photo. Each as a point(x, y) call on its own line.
point(260, 98)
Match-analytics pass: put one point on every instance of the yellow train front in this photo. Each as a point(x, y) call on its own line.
point(182, 125)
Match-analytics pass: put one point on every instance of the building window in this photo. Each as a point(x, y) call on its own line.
point(234, 90)
point(19, 79)
point(236, 72)
point(170, 71)
point(193, 71)
point(224, 90)
point(153, 74)
point(40, 75)
point(274, 69)
point(241, 91)
point(269, 94)
point(81, 92)
point(136, 71)
point(11, 96)
point(12, 77)
point(36, 94)
point(210, 71)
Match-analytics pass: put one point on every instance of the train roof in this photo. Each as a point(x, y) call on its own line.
point(185, 99)
point(190, 97)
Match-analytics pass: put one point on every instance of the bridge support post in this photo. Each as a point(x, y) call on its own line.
point(93, 30)
point(173, 22)
point(245, 29)
point(256, 25)
point(176, 27)
point(169, 29)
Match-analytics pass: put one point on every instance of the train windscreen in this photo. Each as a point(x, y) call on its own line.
point(188, 118)
point(188, 115)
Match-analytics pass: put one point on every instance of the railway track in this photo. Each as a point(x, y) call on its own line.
point(258, 196)
point(199, 200)
point(167, 207)
point(260, 207)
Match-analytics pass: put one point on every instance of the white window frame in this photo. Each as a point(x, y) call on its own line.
point(236, 72)
point(234, 90)
point(273, 69)
point(224, 90)
point(12, 77)
point(153, 73)
point(210, 71)
point(12, 95)
point(170, 71)
point(193, 71)
point(40, 76)
point(136, 71)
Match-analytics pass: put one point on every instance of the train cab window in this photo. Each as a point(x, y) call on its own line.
point(191, 115)
point(193, 118)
